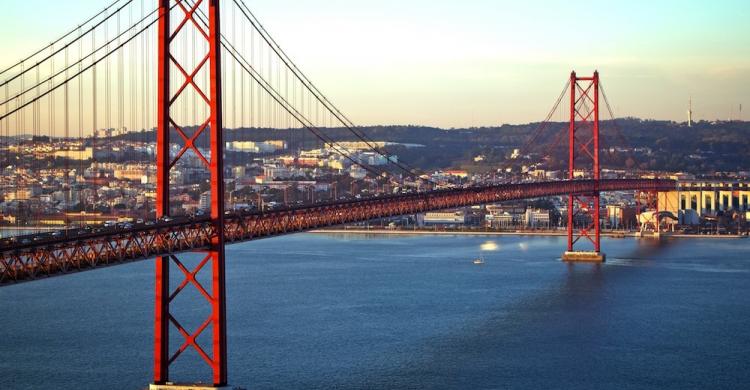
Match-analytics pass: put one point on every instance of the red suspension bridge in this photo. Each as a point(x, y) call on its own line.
point(207, 76)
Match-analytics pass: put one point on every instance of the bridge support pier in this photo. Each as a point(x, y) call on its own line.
point(174, 386)
point(584, 256)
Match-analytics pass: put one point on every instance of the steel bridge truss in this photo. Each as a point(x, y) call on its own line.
point(67, 255)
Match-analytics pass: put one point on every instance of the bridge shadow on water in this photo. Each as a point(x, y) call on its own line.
point(648, 249)
point(505, 349)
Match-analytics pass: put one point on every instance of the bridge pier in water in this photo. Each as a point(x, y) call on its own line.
point(175, 386)
point(584, 256)
point(583, 144)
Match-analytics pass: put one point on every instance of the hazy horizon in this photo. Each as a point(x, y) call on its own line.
point(483, 63)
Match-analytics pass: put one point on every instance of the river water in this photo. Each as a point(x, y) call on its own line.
point(324, 311)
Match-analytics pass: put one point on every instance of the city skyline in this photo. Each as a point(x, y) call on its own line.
point(449, 64)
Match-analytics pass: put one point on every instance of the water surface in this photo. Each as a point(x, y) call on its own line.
point(320, 312)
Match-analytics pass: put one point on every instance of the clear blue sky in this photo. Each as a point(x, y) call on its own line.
point(482, 62)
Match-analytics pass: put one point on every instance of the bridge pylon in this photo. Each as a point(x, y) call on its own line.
point(213, 258)
point(583, 162)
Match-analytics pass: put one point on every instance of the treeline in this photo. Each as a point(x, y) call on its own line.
point(663, 145)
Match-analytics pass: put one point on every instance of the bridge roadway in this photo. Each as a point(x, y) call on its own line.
point(30, 260)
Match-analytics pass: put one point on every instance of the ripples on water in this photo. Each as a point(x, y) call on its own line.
point(312, 311)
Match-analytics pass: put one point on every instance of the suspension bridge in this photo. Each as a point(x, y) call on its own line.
point(201, 73)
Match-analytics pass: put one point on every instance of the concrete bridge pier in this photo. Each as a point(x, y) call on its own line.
point(199, 386)
point(584, 256)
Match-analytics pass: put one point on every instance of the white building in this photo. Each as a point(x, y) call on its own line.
point(255, 147)
point(445, 218)
point(205, 201)
point(273, 172)
point(503, 220)
point(238, 172)
point(536, 218)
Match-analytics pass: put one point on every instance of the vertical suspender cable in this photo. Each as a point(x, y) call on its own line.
point(80, 173)
point(94, 123)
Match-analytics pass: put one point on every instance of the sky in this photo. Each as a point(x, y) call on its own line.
point(482, 62)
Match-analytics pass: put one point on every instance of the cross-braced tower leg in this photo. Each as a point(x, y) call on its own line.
point(213, 258)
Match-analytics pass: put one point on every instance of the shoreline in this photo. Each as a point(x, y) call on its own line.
point(386, 232)
point(31, 228)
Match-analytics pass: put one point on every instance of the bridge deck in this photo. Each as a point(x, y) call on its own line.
point(33, 260)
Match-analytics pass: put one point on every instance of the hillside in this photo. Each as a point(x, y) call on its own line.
point(662, 145)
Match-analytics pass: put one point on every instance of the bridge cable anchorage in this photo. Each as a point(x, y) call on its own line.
point(288, 107)
point(341, 117)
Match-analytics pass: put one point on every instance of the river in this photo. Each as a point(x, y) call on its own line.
point(313, 311)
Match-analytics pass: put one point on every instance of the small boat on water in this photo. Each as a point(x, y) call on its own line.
point(479, 260)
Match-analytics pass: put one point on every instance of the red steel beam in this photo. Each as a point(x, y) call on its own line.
point(584, 103)
point(216, 249)
point(161, 276)
point(597, 167)
point(209, 235)
point(571, 155)
point(73, 254)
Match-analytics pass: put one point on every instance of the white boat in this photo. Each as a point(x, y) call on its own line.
point(479, 260)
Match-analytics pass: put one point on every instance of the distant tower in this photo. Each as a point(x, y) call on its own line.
point(690, 112)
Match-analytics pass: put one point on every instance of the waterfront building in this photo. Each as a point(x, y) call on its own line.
point(537, 218)
point(697, 199)
point(447, 217)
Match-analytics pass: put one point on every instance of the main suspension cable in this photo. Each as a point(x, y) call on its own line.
point(280, 100)
point(84, 69)
point(59, 50)
point(315, 91)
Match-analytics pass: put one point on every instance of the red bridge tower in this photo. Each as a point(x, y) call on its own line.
point(213, 258)
point(583, 149)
